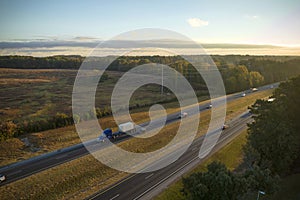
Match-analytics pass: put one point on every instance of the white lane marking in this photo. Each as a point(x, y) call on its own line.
point(62, 156)
point(149, 176)
point(129, 177)
point(114, 197)
point(182, 167)
point(179, 169)
point(42, 169)
point(16, 172)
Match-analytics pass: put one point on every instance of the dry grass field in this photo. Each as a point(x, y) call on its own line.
point(40, 94)
point(84, 176)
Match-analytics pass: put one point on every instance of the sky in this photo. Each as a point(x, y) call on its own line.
point(274, 22)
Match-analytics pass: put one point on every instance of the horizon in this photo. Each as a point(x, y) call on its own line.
point(84, 48)
point(255, 24)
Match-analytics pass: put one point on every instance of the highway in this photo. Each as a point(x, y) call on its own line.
point(34, 165)
point(147, 185)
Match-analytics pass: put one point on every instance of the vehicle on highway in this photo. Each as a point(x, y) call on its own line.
point(254, 89)
point(125, 128)
point(271, 99)
point(182, 115)
point(2, 178)
point(209, 106)
point(243, 94)
point(225, 127)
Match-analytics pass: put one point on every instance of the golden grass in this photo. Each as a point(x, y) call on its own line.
point(63, 181)
point(84, 176)
point(62, 137)
point(29, 71)
point(13, 81)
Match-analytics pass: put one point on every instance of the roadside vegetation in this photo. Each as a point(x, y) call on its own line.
point(231, 156)
point(270, 156)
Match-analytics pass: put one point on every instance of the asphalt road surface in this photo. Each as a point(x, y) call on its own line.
point(31, 166)
point(147, 185)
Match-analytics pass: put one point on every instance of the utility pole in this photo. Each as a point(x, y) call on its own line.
point(162, 80)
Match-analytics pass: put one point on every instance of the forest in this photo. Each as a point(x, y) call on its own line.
point(238, 72)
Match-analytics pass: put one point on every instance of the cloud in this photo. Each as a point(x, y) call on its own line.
point(252, 17)
point(196, 22)
point(85, 38)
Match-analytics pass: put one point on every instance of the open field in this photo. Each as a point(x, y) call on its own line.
point(39, 94)
point(14, 150)
point(34, 94)
point(85, 176)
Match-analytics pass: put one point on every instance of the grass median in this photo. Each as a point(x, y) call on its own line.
point(84, 176)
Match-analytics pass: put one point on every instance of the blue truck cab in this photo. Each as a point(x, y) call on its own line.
point(108, 133)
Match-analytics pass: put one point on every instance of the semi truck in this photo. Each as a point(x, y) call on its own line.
point(125, 128)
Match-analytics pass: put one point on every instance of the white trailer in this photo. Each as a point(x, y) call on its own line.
point(127, 127)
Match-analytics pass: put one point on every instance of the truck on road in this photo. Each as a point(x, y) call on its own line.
point(125, 128)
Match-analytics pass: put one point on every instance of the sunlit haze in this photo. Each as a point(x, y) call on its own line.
point(269, 22)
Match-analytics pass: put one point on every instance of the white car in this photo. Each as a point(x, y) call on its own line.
point(271, 99)
point(243, 94)
point(182, 115)
point(2, 177)
point(225, 127)
point(209, 106)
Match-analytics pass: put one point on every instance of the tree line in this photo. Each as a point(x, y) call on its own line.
point(240, 73)
point(10, 129)
point(271, 151)
point(51, 62)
